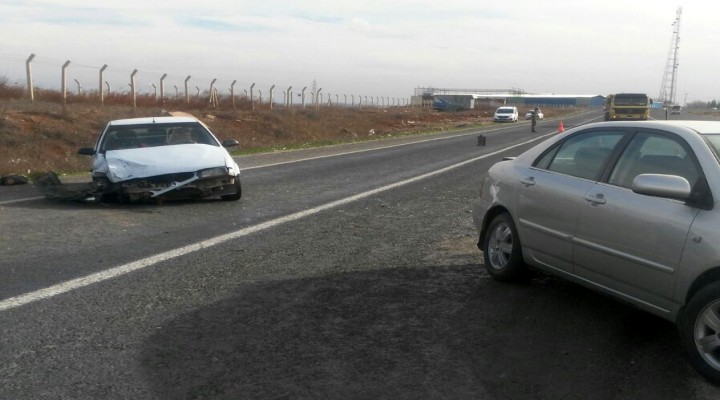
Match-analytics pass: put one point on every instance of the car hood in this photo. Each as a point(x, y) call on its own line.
point(123, 165)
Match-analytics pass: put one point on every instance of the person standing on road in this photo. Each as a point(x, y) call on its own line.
point(534, 118)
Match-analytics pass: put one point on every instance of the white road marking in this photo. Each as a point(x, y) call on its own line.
point(21, 200)
point(67, 286)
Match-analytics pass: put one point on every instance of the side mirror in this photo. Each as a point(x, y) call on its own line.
point(659, 185)
point(87, 151)
point(230, 143)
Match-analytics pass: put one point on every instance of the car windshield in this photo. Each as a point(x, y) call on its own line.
point(638, 100)
point(123, 137)
point(714, 141)
point(504, 111)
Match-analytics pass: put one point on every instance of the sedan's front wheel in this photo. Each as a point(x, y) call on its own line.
point(700, 332)
point(502, 252)
point(238, 191)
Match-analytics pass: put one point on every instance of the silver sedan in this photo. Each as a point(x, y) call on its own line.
point(630, 209)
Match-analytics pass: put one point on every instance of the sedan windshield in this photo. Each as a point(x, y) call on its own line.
point(714, 141)
point(123, 137)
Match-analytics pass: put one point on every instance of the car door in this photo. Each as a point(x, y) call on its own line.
point(551, 195)
point(630, 243)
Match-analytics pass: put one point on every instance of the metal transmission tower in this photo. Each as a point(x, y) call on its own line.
point(669, 81)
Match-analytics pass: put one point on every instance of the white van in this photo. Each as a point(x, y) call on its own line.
point(506, 114)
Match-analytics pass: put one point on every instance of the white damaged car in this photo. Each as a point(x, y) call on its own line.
point(162, 157)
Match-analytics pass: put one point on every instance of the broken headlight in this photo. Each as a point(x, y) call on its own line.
point(212, 172)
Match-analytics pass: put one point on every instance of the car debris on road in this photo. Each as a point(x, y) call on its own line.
point(54, 189)
point(13, 180)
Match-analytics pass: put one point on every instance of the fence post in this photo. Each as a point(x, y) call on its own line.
point(78, 86)
point(213, 94)
point(252, 99)
point(187, 93)
point(303, 96)
point(271, 95)
point(132, 88)
point(63, 83)
point(28, 70)
point(162, 88)
point(100, 84)
point(289, 96)
point(232, 93)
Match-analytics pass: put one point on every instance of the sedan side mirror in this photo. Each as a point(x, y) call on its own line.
point(230, 143)
point(87, 151)
point(659, 185)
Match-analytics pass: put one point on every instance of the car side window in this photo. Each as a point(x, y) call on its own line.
point(654, 153)
point(583, 155)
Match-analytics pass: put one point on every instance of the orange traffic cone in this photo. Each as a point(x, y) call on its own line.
point(561, 128)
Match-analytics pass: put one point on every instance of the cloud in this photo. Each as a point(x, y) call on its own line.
point(373, 46)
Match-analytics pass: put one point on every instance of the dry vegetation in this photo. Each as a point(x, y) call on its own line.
point(45, 134)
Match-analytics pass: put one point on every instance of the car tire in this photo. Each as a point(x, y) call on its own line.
point(238, 191)
point(502, 251)
point(700, 332)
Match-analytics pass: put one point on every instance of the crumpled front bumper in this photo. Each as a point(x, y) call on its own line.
point(172, 186)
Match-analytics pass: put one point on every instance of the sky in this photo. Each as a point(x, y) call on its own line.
point(364, 48)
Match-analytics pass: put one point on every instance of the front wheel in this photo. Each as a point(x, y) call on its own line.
point(700, 332)
point(238, 191)
point(502, 252)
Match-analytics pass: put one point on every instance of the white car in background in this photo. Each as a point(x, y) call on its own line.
point(529, 114)
point(162, 158)
point(506, 114)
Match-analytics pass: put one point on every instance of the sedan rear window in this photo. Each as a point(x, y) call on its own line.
point(582, 155)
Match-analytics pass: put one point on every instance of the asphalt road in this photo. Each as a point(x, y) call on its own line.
point(343, 272)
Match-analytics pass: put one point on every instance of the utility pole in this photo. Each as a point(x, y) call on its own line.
point(669, 81)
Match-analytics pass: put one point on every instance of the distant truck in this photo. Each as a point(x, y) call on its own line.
point(675, 109)
point(627, 107)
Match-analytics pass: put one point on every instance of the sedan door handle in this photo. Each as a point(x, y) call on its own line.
point(528, 181)
point(595, 199)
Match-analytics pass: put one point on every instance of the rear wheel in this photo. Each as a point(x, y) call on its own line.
point(502, 252)
point(700, 332)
